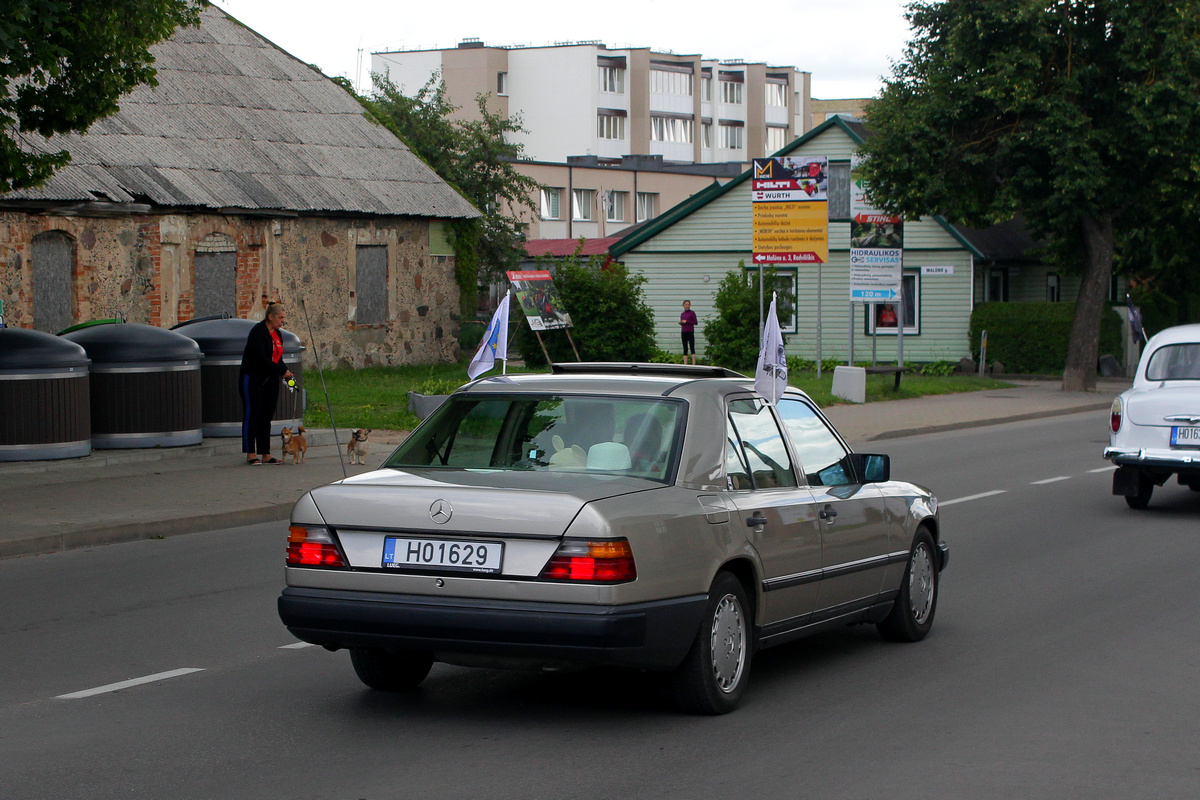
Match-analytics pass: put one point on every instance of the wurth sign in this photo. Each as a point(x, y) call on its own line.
point(790, 198)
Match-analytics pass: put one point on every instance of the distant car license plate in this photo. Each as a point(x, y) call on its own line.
point(440, 554)
point(1185, 436)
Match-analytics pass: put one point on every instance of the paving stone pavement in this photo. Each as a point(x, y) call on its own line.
point(126, 495)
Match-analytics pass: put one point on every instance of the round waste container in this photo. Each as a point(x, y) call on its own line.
point(145, 385)
point(222, 341)
point(44, 410)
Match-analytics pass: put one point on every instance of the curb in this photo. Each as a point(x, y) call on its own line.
point(980, 423)
point(44, 544)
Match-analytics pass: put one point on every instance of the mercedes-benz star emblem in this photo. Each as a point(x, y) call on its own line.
point(441, 511)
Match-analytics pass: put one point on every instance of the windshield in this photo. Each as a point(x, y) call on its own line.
point(1175, 362)
point(604, 435)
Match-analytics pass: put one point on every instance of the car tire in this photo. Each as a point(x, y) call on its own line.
point(713, 676)
point(1145, 489)
point(390, 670)
point(911, 616)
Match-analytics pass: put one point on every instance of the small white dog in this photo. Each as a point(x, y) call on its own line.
point(358, 445)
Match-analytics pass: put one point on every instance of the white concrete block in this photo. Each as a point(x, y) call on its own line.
point(850, 383)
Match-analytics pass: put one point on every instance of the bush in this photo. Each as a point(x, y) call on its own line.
point(940, 368)
point(608, 311)
point(469, 335)
point(733, 338)
point(1031, 338)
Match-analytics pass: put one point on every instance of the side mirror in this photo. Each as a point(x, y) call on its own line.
point(872, 467)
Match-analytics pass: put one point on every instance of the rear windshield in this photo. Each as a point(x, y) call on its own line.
point(1175, 362)
point(604, 435)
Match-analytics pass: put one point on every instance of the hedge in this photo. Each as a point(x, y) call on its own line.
point(1031, 338)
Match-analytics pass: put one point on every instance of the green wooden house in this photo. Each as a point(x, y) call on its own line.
point(685, 252)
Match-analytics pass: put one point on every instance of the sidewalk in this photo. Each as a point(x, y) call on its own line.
point(126, 495)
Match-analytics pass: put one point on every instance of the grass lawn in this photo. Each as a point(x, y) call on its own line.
point(377, 397)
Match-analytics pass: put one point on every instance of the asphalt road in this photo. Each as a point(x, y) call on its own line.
point(1064, 663)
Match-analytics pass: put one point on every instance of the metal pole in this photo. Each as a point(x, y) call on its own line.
point(900, 327)
point(874, 332)
point(850, 363)
point(820, 354)
point(760, 301)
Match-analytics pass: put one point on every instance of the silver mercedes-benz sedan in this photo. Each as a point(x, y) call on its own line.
point(651, 516)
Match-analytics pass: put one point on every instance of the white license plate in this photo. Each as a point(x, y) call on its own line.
point(441, 554)
point(1185, 436)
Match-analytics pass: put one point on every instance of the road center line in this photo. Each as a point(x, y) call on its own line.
point(1050, 480)
point(296, 646)
point(113, 687)
point(968, 498)
point(1109, 468)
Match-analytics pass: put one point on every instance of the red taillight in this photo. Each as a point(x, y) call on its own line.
point(1115, 418)
point(596, 562)
point(312, 547)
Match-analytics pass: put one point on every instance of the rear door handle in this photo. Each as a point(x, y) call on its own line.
point(756, 521)
point(827, 514)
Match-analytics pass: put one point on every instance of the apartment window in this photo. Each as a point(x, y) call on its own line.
point(777, 94)
point(669, 82)
point(647, 205)
point(706, 88)
point(582, 201)
point(502, 83)
point(671, 129)
point(550, 201)
point(614, 206)
point(610, 125)
point(612, 79)
point(777, 138)
point(706, 137)
point(370, 284)
point(731, 93)
point(733, 137)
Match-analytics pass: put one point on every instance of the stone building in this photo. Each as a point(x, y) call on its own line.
point(245, 177)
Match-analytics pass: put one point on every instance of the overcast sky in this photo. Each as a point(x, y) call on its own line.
point(846, 44)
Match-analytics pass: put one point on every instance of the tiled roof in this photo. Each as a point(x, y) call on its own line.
point(235, 122)
point(567, 247)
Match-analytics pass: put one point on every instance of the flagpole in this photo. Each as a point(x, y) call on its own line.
point(504, 361)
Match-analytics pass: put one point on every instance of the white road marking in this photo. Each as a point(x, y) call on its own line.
point(968, 498)
point(113, 687)
point(296, 646)
point(1050, 480)
point(1109, 468)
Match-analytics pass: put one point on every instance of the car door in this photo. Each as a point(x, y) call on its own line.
point(776, 512)
point(850, 514)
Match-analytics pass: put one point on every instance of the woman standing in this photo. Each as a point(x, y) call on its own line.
point(258, 382)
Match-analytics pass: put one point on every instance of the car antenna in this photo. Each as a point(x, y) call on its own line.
point(324, 388)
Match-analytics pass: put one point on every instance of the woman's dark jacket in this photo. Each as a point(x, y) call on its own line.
point(256, 358)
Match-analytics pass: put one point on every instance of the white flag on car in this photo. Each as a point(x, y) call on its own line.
point(494, 344)
point(770, 379)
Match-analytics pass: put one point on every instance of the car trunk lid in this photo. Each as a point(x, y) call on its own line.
point(1153, 408)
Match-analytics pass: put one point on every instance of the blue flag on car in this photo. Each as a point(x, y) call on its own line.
point(770, 379)
point(495, 343)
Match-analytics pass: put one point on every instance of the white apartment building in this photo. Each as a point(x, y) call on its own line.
point(583, 99)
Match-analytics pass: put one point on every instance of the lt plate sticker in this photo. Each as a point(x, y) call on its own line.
point(441, 554)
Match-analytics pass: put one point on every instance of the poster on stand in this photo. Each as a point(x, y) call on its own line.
point(539, 301)
point(876, 248)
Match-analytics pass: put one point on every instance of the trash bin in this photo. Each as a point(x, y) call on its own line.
point(222, 340)
point(44, 408)
point(145, 385)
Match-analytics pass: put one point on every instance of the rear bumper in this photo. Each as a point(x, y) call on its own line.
point(1158, 459)
point(653, 635)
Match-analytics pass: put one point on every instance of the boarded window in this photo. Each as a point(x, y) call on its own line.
point(839, 190)
point(53, 298)
point(215, 282)
point(371, 283)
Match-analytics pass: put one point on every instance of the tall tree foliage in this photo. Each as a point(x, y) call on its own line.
point(476, 157)
point(65, 63)
point(1081, 115)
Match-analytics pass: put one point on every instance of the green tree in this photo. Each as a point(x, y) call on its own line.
point(476, 157)
point(65, 64)
point(1080, 115)
point(734, 337)
point(610, 318)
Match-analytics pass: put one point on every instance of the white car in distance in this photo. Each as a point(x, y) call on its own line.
point(1155, 426)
